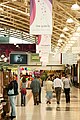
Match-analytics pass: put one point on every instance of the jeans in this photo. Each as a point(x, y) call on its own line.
point(12, 103)
point(23, 99)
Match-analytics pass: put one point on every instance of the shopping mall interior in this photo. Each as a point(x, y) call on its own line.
point(40, 37)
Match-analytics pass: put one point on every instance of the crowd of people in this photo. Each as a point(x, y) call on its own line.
point(58, 84)
point(55, 84)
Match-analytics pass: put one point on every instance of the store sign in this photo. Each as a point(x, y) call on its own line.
point(4, 40)
point(40, 17)
point(35, 57)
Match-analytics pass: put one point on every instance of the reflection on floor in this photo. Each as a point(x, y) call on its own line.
point(45, 111)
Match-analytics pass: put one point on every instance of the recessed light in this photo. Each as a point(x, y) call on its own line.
point(62, 35)
point(75, 7)
point(65, 29)
point(70, 20)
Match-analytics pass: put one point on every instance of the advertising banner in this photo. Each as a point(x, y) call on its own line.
point(44, 46)
point(35, 57)
point(44, 42)
point(40, 17)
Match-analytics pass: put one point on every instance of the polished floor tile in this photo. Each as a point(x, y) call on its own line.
point(52, 111)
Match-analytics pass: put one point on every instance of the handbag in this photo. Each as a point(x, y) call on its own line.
point(11, 92)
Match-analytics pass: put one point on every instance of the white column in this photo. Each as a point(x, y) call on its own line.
point(19, 95)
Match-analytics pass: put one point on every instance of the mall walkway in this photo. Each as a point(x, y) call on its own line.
point(51, 112)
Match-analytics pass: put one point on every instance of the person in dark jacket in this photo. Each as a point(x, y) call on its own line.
point(15, 85)
point(12, 92)
point(40, 80)
point(35, 86)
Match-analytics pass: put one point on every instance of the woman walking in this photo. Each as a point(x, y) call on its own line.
point(49, 90)
point(23, 91)
point(12, 93)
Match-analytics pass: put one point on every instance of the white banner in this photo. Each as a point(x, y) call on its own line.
point(44, 43)
point(44, 46)
point(40, 17)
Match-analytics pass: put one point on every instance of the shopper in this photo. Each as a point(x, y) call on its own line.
point(58, 86)
point(67, 84)
point(35, 86)
point(40, 80)
point(23, 91)
point(49, 90)
point(13, 95)
point(14, 81)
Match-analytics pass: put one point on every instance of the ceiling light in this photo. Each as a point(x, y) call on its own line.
point(62, 35)
point(60, 40)
point(2, 56)
point(75, 7)
point(65, 29)
point(17, 46)
point(14, 43)
point(59, 44)
point(70, 20)
point(1, 10)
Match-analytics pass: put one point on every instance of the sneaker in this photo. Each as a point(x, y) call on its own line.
point(58, 103)
point(37, 103)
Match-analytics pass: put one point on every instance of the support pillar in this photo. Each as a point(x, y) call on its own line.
point(18, 96)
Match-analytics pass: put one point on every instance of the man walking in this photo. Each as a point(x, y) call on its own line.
point(58, 85)
point(35, 86)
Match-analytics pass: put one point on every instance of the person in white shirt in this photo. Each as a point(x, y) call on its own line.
point(58, 86)
point(67, 85)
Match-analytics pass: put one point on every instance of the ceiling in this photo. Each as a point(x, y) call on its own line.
point(15, 21)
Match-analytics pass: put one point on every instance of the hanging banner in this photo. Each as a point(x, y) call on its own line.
point(44, 43)
point(40, 17)
point(44, 46)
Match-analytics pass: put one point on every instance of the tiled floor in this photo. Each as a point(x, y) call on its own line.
point(50, 112)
